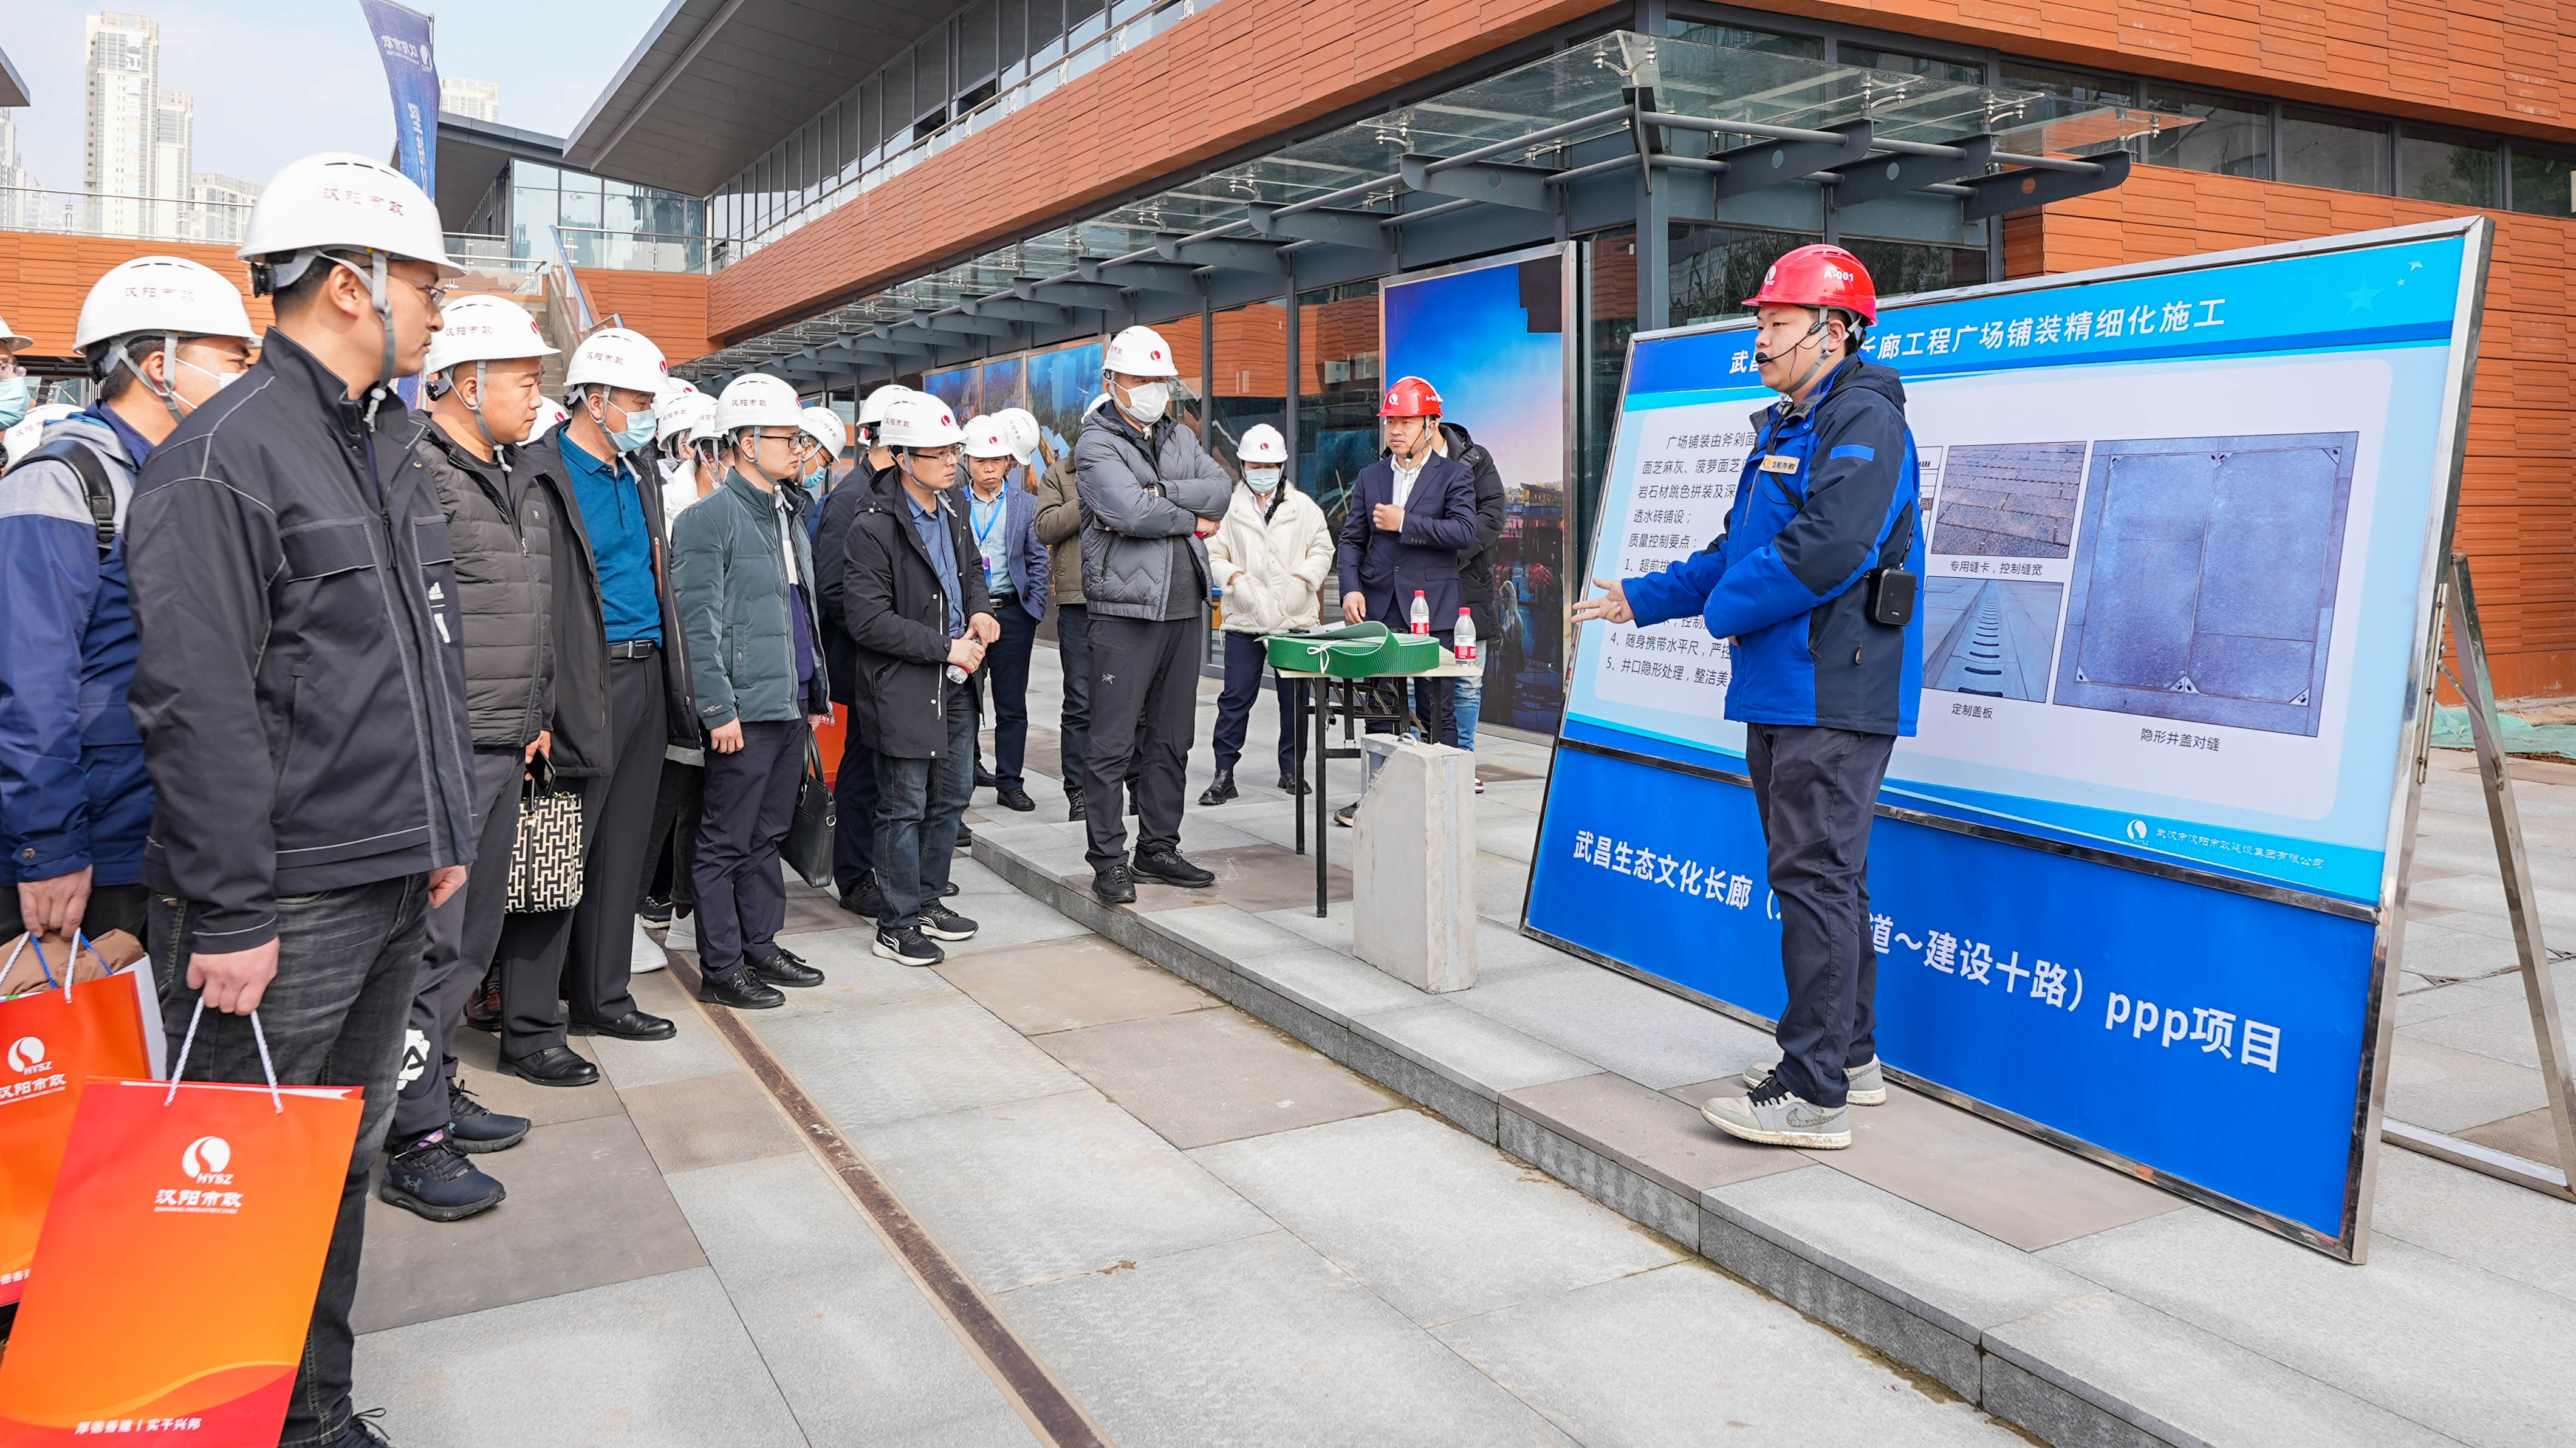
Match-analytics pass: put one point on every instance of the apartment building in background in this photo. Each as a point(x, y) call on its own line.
point(476, 100)
point(137, 148)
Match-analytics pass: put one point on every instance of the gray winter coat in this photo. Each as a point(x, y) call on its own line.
point(1142, 498)
point(503, 532)
point(729, 578)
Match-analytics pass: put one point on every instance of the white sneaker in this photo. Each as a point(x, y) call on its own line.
point(647, 954)
point(1868, 1082)
point(1776, 1118)
point(683, 934)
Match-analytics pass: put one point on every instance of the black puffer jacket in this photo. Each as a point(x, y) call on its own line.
point(1493, 510)
point(896, 613)
point(504, 542)
point(303, 716)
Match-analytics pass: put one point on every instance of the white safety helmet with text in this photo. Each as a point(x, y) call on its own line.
point(617, 357)
point(1139, 352)
point(919, 421)
point(825, 426)
point(872, 409)
point(1020, 426)
point(757, 400)
point(171, 296)
point(986, 437)
point(336, 202)
point(1263, 446)
point(22, 438)
point(685, 417)
point(484, 328)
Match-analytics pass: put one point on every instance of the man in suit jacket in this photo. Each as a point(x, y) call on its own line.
point(1411, 513)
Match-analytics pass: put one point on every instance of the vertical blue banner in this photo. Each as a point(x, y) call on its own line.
point(411, 74)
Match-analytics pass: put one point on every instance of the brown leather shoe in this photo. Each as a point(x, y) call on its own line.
point(483, 1008)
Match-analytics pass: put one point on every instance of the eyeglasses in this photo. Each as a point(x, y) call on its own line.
point(936, 455)
point(436, 294)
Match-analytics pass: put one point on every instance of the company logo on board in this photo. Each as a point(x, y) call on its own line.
point(205, 1158)
point(27, 1056)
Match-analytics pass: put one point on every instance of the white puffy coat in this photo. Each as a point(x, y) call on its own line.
point(1271, 570)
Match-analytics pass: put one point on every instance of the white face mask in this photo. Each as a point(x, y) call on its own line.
point(1146, 403)
point(1261, 480)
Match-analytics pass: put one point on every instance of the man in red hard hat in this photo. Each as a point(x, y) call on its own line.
point(1412, 512)
point(1813, 583)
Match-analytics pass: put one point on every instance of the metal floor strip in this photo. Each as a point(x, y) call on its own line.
point(1041, 1401)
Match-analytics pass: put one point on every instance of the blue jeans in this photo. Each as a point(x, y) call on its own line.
point(346, 963)
point(919, 802)
point(1466, 702)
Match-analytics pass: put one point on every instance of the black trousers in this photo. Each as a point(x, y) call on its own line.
point(751, 800)
point(1073, 649)
point(854, 812)
point(463, 933)
point(1245, 659)
point(676, 806)
point(585, 954)
point(1004, 680)
point(1144, 706)
point(1816, 789)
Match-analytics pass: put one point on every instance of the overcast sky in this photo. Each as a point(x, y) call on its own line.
point(278, 79)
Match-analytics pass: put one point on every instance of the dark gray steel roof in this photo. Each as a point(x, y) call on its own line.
point(716, 82)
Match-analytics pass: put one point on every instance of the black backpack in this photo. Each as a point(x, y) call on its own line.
point(101, 493)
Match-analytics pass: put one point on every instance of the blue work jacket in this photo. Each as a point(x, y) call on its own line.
point(1785, 581)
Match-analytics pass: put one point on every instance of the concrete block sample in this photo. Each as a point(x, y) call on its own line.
point(1413, 869)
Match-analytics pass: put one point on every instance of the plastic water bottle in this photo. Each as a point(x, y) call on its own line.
point(1421, 613)
point(1466, 649)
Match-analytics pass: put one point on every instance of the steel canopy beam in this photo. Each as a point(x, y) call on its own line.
point(1768, 163)
point(1013, 309)
point(1228, 254)
point(1523, 188)
point(1365, 230)
point(1069, 293)
point(2026, 189)
point(1151, 276)
point(1886, 175)
point(970, 326)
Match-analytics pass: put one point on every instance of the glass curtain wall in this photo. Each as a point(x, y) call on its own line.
point(1606, 310)
point(1249, 377)
point(1337, 386)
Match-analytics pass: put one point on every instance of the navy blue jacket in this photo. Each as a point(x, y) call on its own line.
point(1388, 568)
point(73, 790)
point(1784, 580)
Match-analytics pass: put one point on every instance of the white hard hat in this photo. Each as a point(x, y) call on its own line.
point(919, 421)
point(687, 412)
point(872, 409)
point(988, 437)
point(483, 328)
point(11, 341)
point(1263, 444)
point(1020, 429)
point(549, 413)
point(672, 390)
point(825, 426)
point(335, 201)
point(757, 400)
point(1139, 352)
point(162, 294)
point(22, 438)
point(617, 357)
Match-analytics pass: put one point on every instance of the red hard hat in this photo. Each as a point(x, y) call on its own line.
point(1819, 276)
point(1411, 397)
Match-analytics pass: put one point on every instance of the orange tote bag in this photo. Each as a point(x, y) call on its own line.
point(178, 1265)
point(52, 1041)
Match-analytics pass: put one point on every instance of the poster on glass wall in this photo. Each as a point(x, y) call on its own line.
point(1490, 336)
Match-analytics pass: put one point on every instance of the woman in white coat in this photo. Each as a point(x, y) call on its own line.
point(1269, 558)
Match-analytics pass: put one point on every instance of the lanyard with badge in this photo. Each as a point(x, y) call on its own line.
point(985, 529)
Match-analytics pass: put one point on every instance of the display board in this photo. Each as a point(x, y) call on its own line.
point(2128, 882)
point(1490, 335)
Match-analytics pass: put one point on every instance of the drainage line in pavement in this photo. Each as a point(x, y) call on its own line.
point(1033, 1391)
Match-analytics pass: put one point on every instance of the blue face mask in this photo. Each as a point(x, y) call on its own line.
point(13, 401)
point(638, 433)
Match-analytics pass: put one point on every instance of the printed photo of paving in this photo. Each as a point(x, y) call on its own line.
point(2205, 586)
point(2009, 500)
point(1986, 636)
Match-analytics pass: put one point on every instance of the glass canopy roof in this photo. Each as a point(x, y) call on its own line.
point(1713, 82)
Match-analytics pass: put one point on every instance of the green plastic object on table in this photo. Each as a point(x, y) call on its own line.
point(1354, 651)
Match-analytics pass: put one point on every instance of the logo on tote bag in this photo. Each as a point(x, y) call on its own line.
point(27, 1055)
point(206, 1158)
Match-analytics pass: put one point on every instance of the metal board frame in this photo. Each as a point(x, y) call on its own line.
point(2352, 1244)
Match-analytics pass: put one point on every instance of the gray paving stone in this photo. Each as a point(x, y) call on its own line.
point(1959, 1279)
point(1622, 1025)
point(1331, 931)
point(2179, 1384)
point(1462, 1106)
point(2500, 1031)
point(1503, 952)
point(1502, 888)
point(2445, 1089)
point(2461, 1350)
point(695, 1050)
point(1683, 1356)
point(1036, 1190)
point(1211, 1076)
point(1631, 1194)
point(858, 1351)
point(1062, 985)
point(708, 1121)
point(1306, 1355)
point(1228, 932)
point(663, 1360)
point(1332, 985)
point(1512, 835)
point(852, 977)
point(1646, 1132)
point(1473, 1050)
point(1015, 920)
point(886, 1063)
point(1441, 1226)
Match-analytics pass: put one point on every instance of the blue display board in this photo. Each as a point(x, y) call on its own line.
point(2127, 883)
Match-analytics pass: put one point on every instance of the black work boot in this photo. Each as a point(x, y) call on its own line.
point(1220, 789)
point(432, 1178)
